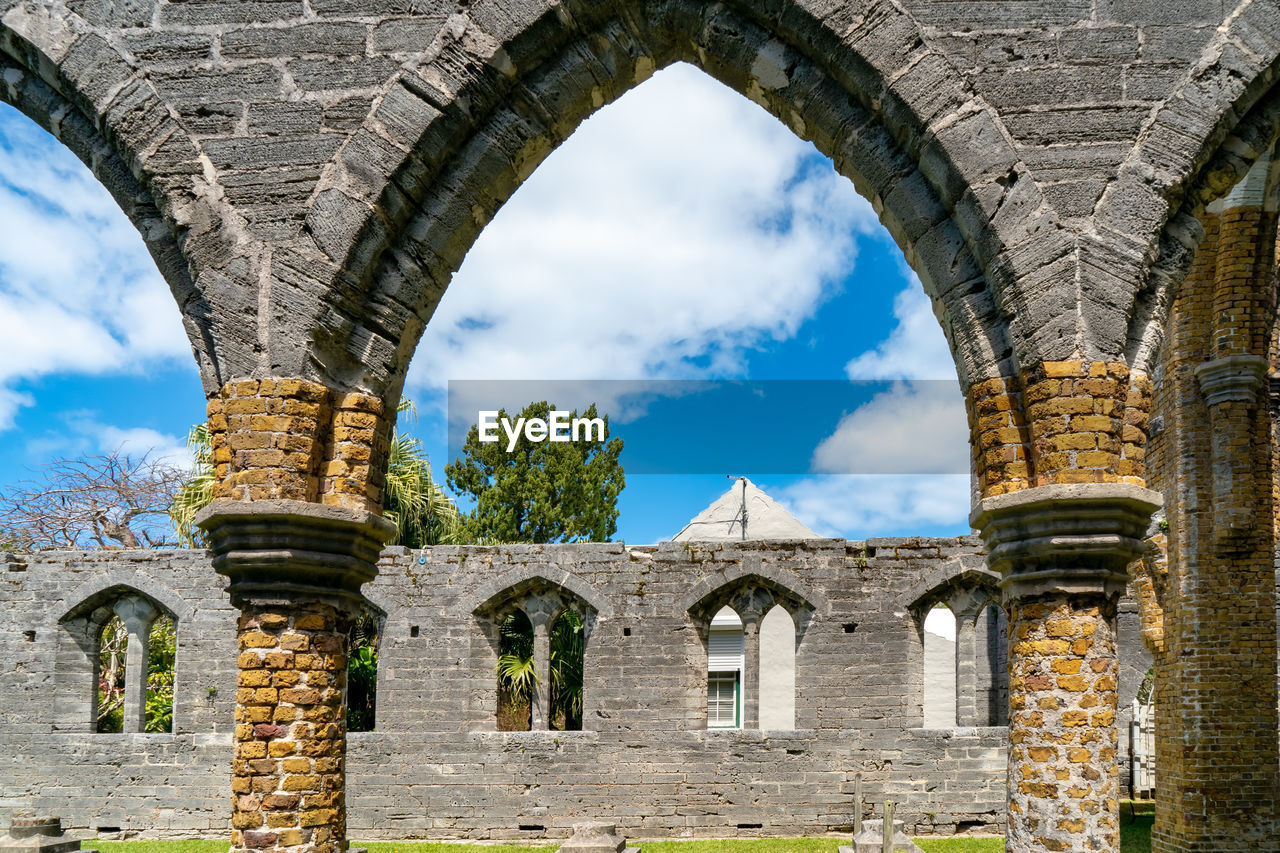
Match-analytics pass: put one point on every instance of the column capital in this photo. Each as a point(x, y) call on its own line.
point(1235, 378)
point(136, 613)
point(1076, 538)
point(277, 551)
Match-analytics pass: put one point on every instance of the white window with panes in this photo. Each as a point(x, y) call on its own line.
point(724, 671)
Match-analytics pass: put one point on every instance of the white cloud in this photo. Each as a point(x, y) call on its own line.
point(78, 291)
point(902, 457)
point(681, 223)
point(912, 428)
point(857, 507)
point(915, 349)
point(83, 433)
point(137, 441)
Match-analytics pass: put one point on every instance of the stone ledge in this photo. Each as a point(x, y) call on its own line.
point(1236, 378)
point(278, 550)
point(1074, 539)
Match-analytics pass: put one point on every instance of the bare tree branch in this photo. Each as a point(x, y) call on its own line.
point(107, 501)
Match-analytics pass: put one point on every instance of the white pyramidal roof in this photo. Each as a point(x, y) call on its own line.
point(765, 519)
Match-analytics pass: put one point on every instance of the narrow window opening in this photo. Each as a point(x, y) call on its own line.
point(516, 676)
point(362, 674)
point(850, 627)
point(413, 630)
point(725, 654)
point(30, 635)
point(626, 632)
point(777, 670)
point(991, 667)
point(162, 645)
point(113, 644)
point(567, 649)
point(939, 668)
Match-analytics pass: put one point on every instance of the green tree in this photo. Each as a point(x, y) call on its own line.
point(541, 491)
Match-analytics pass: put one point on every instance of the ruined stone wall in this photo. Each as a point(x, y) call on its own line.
point(437, 767)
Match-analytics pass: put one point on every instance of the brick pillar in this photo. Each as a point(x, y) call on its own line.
point(295, 571)
point(288, 774)
point(1062, 551)
point(1209, 591)
point(1059, 453)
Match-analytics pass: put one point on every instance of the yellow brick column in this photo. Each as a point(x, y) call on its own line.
point(1209, 598)
point(288, 773)
point(296, 527)
point(1059, 455)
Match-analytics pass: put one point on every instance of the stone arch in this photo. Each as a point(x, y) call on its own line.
point(452, 139)
point(1194, 149)
point(93, 593)
point(92, 98)
point(781, 585)
point(518, 582)
point(79, 641)
point(959, 587)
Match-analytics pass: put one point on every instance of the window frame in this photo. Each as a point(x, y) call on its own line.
point(733, 676)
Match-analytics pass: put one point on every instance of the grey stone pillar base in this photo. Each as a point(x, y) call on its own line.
point(871, 839)
point(1073, 539)
point(596, 837)
point(29, 834)
point(280, 551)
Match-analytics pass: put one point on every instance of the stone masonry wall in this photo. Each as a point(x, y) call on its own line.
point(436, 766)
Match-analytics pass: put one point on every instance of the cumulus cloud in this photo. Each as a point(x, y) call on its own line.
point(860, 506)
point(915, 349)
point(675, 230)
point(78, 291)
point(912, 428)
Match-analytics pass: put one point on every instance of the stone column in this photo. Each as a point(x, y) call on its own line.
point(137, 614)
point(541, 699)
point(1062, 551)
point(966, 669)
point(295, 569)
point(751, 669)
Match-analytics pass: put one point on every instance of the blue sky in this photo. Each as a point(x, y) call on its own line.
point(680, 234)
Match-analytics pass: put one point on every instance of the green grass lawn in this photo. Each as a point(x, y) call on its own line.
point(1135, 837)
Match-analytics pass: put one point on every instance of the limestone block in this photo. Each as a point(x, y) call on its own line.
point(596, 837)
point(28, 834)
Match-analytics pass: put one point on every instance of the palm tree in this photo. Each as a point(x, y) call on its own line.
point(422, 512)
point(196, 493)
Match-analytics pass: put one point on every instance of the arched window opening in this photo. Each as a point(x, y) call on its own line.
point(112, 643)
point(777, 670)
point(162, 648)
point(516, 673)
point(992, 669)
point(725, 654)
point(939, 668)
point(567, 648)
point(133, 666)
point(362, 674)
